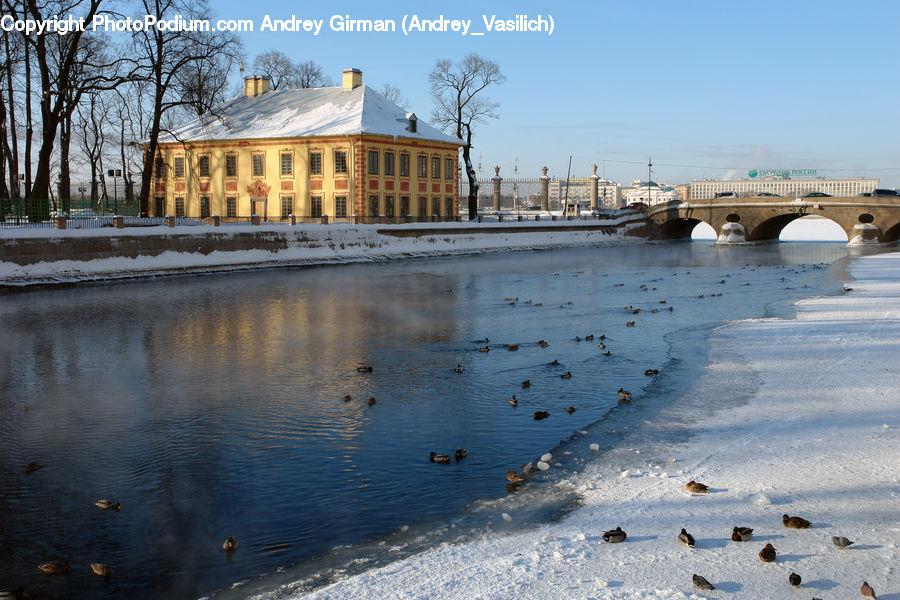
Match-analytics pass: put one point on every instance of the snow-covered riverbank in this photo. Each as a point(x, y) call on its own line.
point(42, 255)
point(819, 437)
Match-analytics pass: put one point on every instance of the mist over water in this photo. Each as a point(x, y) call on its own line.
point(214, 406)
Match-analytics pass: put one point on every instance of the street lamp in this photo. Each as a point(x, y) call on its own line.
point(114, 173)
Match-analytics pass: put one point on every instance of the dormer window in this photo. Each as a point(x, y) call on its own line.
point(413, 122)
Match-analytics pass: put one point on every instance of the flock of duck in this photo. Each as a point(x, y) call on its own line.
point(617, 535)
point(62, 567)
point(742, 534)
point(613, 536)
point(514, 477)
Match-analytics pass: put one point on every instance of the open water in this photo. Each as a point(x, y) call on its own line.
point(211, 406)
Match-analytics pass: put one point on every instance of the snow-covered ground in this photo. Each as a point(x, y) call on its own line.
point(336, 243)
point(306, 245)
point(818, 436)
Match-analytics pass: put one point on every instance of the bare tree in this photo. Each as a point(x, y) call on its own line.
point(92, 54)
point(66, 72)
point(5, 155)
point(29, 121)
point(203, 83)
point(132, 113)
point(166, 54)
point(277, 67)
point(455, 89)
point(89, 133)
point(310, 74)
point(9, 134)
point(282, 72)
point(394, 95)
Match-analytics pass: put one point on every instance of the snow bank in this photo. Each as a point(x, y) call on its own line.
point(306, 245)
point(818, 438)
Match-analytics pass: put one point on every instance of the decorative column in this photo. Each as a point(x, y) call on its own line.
point(595, 184)
point(545, 190)
point(496, 179)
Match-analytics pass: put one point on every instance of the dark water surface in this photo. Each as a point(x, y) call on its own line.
point(213, 405)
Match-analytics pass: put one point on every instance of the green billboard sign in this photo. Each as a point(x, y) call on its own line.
point(781, 173)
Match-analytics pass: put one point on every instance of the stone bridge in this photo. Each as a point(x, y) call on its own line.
point(864, 219)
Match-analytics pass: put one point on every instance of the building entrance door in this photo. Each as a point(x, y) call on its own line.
point(258, 206)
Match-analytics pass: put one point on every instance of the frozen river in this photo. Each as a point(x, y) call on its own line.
point(214, 406)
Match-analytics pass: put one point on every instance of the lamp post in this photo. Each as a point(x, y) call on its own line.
point(115, 173)
point(516, 185)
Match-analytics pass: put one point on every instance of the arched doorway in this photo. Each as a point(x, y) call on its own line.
point(259, 198)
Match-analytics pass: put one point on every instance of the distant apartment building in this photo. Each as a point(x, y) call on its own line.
point(609, 193)
point(650, 193)
point(705, 189)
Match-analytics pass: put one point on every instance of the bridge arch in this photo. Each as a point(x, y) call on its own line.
point(676, 229)
point(771, 228)
point(892, 234)
point(814, 228)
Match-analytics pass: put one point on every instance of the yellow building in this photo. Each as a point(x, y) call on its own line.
point(335, 151)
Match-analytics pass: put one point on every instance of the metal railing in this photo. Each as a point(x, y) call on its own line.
point(84, 214)
point(81, 213)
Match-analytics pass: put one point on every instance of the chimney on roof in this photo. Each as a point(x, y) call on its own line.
point(352, 79)
point(255, 85)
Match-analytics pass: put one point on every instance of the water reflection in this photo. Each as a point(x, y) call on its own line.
point(213, 406)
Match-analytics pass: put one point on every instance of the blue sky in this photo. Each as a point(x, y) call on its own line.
point(705, 88)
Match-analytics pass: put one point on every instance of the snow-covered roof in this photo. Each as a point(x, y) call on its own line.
point(307, 112)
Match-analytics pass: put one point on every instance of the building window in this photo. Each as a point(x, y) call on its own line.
point(179, 206)
point(287, 164)
point(340, 162)
point(340, 207)
point(259, 165)
point(448, 207)
point(315, 163)
point(179, 167)
point(388, 163)
point(203, 165)
point(160, 167)
point(373, 162)
point(436, 206)
point(231, 165)
point(373, 206)
point(404, 165)
point(423, 166)
point(389, 206)
point(287, 206)
point(423, 208)
point(160, 206)
point(231, 206)
point(204, 207)
point(449, 169)
point(435, 167)
point(315, 207)
point(404, 206)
